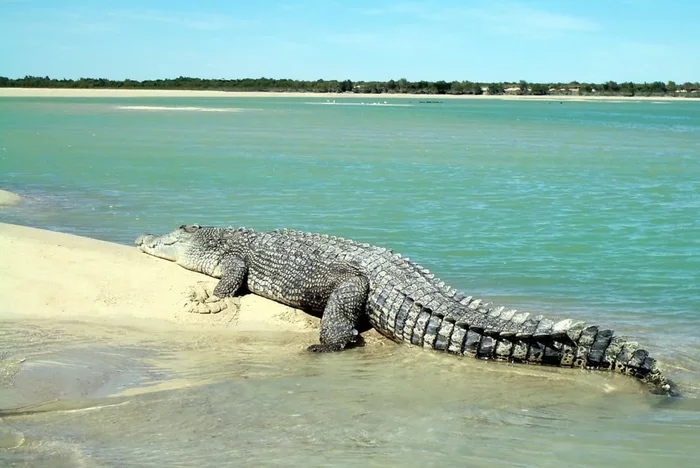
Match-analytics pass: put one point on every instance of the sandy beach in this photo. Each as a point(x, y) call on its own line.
point(133, 93)
point(9, 198)
point(64, 277)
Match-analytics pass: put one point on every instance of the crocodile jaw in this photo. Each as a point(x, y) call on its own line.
point(172, 246)
point(190, 246)
point(153, 245)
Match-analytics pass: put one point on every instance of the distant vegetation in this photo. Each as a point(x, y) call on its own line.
point(401, 86)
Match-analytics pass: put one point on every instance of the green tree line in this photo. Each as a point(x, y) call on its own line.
point(400, 86)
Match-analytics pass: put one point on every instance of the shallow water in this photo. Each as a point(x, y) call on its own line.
point(583, 209)
point(127, 397)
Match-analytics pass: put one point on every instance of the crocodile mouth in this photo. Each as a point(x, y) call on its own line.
point(143, 238)
point(159, 246)
point(151, 241)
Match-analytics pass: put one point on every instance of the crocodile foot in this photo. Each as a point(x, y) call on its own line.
point(201, 300)
point(325, 348)
point(356, 341)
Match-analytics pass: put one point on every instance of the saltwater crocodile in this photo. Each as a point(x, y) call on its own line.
point(344, 281)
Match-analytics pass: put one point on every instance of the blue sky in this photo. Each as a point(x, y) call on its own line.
point(536, 40)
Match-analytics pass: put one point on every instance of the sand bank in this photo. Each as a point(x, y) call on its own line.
point(9, 198)
point(131, 93)
point(64, 277)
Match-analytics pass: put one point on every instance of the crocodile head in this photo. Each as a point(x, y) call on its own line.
point(190, 246)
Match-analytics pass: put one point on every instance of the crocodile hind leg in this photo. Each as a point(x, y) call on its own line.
point(342, 315)
point(233, 275)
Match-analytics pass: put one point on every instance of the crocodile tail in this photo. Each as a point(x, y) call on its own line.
point(567, 343)
point(575, 344)
point(503, 334)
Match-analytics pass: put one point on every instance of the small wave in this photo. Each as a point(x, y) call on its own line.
point(181, 108)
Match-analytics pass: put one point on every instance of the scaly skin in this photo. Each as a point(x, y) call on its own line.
point(344, 281)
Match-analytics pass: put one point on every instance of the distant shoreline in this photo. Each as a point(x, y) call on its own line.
point(133, 93)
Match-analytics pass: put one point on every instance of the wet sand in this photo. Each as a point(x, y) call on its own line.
point(93, 395)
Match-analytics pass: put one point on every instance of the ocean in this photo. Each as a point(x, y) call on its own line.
point(574, 209)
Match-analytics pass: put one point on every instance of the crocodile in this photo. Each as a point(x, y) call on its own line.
point(344, 281)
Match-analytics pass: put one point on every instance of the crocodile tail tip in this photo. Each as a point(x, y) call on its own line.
point(661, 385)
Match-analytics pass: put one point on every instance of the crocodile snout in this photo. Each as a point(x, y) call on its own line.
point(144, 238)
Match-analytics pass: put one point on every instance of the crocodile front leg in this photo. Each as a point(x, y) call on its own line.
point(233, 273)
point(342, 315)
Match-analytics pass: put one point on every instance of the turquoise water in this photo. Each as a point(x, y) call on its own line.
point(585, 209)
